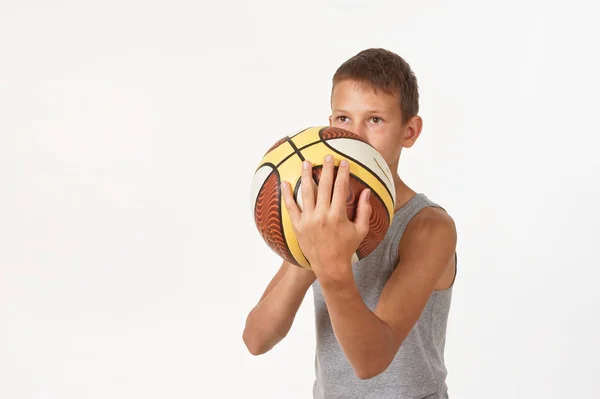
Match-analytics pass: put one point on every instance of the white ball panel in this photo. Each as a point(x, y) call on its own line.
point(368, 156)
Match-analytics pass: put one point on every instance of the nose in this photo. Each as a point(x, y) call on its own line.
point(359, 130)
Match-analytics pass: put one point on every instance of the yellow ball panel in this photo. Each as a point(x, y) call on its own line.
point(278, 154)
point(310, 135)
point(290, 171)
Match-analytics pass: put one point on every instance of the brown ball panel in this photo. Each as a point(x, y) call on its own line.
point(329, 133)
point(267, 217)
point(378, 224)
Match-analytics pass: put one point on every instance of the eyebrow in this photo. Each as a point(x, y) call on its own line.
point(373, 111)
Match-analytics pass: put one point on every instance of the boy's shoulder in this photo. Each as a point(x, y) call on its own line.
point(428, 244)
point(431, 223)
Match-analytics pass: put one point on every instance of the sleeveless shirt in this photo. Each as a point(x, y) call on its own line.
point(418, 369)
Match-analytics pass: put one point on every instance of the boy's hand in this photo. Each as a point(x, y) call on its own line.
point(325, 235)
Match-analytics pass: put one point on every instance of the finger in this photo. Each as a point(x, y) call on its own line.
point(363, 213)
point(290, 204)
point(340, 189)
point(306, 187)
point(325, 184)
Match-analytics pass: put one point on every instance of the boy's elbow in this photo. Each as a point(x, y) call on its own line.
point(255, 346)
point(370, 370)
point(252, 345)
point(255, 350)
point(365, 374)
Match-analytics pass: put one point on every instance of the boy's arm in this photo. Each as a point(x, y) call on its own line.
point(271, 319)
point(370, 340)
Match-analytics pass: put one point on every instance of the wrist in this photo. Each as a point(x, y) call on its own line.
point(336, 275)
point(301, 274)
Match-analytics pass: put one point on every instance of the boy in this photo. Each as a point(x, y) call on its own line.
point(381, 323)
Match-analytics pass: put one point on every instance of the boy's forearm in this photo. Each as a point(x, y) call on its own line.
point(366, 340)
point(271, 319)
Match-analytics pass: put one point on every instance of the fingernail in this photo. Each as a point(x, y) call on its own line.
point(305, 165)
point(328, 158)
point(344, 163)
point(368, 194)
point(283, 185)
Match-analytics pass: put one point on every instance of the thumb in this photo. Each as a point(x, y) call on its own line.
point(363, 213)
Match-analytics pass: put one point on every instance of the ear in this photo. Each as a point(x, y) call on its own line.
point(330, 121)
point(412, 131)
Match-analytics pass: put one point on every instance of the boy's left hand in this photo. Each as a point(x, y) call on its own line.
point(326, 236)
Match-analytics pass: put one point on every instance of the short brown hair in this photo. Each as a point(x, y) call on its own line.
point(384, 71)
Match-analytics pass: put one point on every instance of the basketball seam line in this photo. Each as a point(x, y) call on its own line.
point(380, 168)
point(296, 150)
point(311, 144)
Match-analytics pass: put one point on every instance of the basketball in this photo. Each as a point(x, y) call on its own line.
point(283, 162)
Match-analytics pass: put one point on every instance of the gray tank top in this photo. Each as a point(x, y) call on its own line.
point(418, 370)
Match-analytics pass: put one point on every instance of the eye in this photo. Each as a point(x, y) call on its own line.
point(376, 120)
point(342, 118)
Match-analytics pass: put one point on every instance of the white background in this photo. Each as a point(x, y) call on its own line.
point(129, 132)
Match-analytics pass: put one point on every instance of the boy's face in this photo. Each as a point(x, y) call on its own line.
point(376, 117)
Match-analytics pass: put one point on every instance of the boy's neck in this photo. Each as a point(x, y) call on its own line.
point(403, 193)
